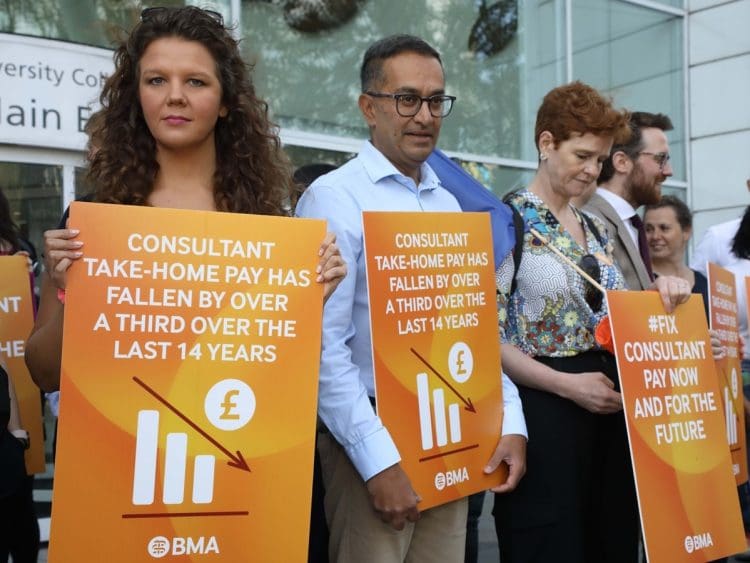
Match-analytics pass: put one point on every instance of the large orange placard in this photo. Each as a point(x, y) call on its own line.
point(723, 308)
point(16, 322)
point(436, 351)
point(189, 387)
point(686, 491)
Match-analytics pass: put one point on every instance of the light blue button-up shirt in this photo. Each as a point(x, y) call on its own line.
point(369, 182)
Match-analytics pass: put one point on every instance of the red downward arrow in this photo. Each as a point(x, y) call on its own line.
point(236, 459)
point(469, 405)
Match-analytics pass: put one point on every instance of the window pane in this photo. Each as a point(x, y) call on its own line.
point(635, 54)
point(302, 156)
point(677, 192)
point(34, 192)
point(93, 22)
point(312, 79)
point(499, 179)
point(674, 3)
point(82, 186)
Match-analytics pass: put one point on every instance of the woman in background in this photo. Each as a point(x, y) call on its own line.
point(10, 237)
point(11, 241)
point(669, 226)
point(19, 529)
point(728, 245)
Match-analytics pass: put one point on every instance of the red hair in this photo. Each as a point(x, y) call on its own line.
point(579, 108)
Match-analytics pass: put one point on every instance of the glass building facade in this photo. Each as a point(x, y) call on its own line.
point(499, 58)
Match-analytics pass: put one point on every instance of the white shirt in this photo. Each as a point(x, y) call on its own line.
point(716, 247)
point(368, 182)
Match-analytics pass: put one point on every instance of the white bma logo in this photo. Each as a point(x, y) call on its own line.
point(689, 544)
point(440, 481)
point(698, 541)
point(450, 478)
point(158, 547)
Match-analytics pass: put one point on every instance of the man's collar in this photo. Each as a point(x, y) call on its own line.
point(379, 167)
point(623, 208)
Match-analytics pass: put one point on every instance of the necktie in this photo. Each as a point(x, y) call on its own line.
point(636, 221)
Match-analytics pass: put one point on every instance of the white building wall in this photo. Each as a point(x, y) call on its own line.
point(719, 87)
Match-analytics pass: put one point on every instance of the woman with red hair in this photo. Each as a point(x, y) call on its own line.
point(577, 502)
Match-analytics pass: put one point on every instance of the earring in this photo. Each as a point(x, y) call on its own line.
point(543, 156)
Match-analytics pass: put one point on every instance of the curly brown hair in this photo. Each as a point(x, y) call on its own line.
point(252, 174)
point(579, 108)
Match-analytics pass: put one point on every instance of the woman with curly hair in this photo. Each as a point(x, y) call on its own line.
point(19, 532)
point(577, 501)
point(180, 127)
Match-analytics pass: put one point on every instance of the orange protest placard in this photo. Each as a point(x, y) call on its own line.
point(189, 387)
point(686, 491)
point(436, 350)
point(723, 308)
point(16, 322)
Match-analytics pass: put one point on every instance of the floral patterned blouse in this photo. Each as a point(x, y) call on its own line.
point(547, 314)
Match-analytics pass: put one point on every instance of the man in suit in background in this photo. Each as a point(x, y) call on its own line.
point(631, 177)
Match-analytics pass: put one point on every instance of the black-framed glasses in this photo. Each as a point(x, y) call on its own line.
point(594, 298)
point(149, 14)
point(661, 158)
point(409, 105)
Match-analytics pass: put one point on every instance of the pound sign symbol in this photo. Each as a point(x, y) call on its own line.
point(460, 370)
point(228, 405)
point(460, 362)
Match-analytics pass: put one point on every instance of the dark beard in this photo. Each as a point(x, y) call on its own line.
point(640, 191)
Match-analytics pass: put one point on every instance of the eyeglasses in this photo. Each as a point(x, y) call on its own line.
point(409, 105)
point(150, 14)
point(594, 298)
point(661, 158)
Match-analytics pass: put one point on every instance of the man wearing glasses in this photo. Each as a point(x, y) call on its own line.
point(371, 507)
point(632, 176)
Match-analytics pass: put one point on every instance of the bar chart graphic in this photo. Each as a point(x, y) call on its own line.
point(439, 420)
point(175, 466)
point(730, 418)
point(437, 414)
